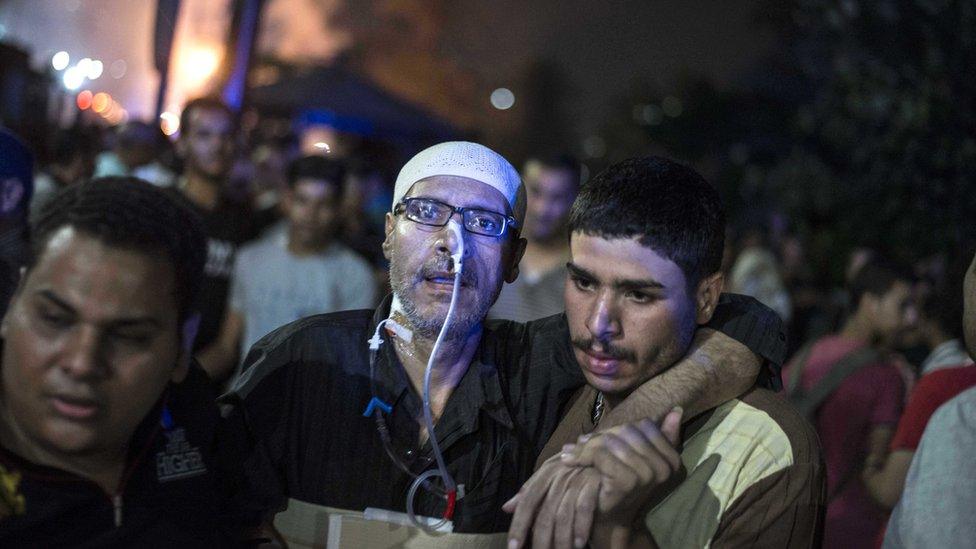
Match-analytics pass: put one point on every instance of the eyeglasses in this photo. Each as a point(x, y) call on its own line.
point(435, 213)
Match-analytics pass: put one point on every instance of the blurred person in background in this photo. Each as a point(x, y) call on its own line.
point(71, 160)
point(940, 327)
point(936, 506)
point(551, 183)
point(207, 145)
point(756, 272)
point(107, 429)
point(948, 374)
point(136, 152)
point(289, 275)
point(16, 187)
point(364, 205)
point(853, 393)
point(270, 157)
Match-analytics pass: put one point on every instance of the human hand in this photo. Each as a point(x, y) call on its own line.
point(632, 459)
point(606, 474)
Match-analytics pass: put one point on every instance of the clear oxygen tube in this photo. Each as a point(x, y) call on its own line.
point(450, 491)
point(450, 487)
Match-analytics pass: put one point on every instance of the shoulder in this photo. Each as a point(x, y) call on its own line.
point(257, 253)
point(776, 420)
point(956, 416)
point(307, 343)
point(757, 434)
point(348, 256)
point(754, 452)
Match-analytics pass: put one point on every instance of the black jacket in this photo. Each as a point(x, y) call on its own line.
point(170, 494)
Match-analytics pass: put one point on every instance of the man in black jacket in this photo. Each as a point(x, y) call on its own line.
point(106, 428)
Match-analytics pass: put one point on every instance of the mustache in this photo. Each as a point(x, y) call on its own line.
point(605, 347)
point(445, 265)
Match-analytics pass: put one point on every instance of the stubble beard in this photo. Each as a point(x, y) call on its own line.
point(428, 326)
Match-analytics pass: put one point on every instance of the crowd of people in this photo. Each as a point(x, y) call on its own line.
point(190, 361)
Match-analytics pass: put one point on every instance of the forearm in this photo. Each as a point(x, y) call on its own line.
point(716, 369)
point(219, 358)
point(885, 483)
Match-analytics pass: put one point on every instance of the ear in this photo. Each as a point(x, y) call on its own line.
point(389, 224)
point(188, 333)
point(706, 297)
point(518, 250)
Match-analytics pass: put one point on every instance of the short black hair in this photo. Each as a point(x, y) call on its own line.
point(317, 167)
point(204, 103)
point(127, 212)
point(876, 278)
point(667, 206)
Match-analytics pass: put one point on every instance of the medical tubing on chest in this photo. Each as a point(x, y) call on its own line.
point(449, 486)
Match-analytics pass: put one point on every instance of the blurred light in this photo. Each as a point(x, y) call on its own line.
point(117, 69)
point(594, 146)
point(502, 99)
point(84, 99)
point(322, 146)
point(85, 65)
point(651, 115)
point(739, 154)
point(72, 5)
point(198, 64)
point(101, 102)
point(73, 78)
point(672, 106)
point(95, 69)
point(169, 123)
point(110, 108)
point(60, 60)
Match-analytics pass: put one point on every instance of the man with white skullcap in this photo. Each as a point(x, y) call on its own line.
point(330, 409)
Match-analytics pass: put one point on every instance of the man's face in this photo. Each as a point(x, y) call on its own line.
point(629, 311)
point(90, 343)
point(421, 270)
point(312, 209)
point(969, 308)
point(207, 145)
point(550, 196)
point(895, 312)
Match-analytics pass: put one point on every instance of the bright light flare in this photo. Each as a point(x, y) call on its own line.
point(502, 99)
point(169, 123)
point(323, 146)
point(85, 65)
point(95, 69)
point(198, 64)
point(60, 60)
point(73, 78)
point(84, 99)
point(101, 102)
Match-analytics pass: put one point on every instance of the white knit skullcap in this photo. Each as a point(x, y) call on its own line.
point(464, 159)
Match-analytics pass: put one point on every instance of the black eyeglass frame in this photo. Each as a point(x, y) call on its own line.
point(508, 220)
